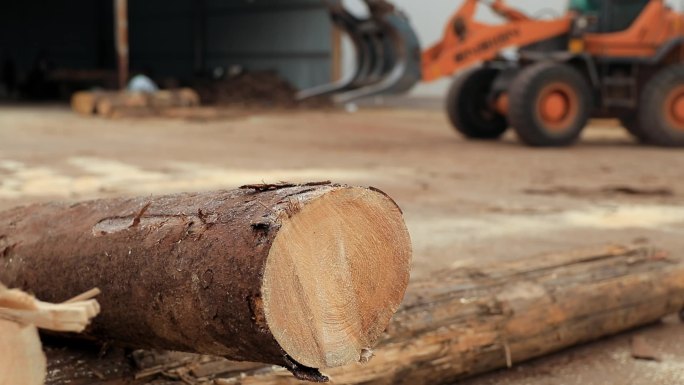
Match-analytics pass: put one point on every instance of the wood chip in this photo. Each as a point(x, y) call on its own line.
point(22, 361)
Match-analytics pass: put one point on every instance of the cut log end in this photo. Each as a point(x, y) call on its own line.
point(336, 273)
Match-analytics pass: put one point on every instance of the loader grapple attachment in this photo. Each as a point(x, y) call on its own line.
point(388, 53)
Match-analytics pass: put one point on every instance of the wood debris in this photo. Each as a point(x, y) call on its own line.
point(22, 361)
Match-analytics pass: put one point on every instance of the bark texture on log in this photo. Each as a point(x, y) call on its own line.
point(298, 276)
point(472, 320)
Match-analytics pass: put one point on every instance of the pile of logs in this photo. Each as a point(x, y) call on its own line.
point(302, 278)
point(113, 104)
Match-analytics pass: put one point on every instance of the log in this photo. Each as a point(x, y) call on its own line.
point(85, 102)
point(475, 319)
point(302, 276)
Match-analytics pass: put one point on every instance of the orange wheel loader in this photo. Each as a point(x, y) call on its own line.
point(620, 59)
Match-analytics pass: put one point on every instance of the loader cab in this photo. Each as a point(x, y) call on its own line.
point(606, 16)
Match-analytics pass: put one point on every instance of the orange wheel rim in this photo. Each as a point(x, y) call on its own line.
point(674, 108)
point(557, 106)
point(502, 104)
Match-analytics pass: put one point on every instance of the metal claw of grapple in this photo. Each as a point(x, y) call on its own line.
point(387, 53)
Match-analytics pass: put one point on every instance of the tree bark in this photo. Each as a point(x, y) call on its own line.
point(299, 276)
point(472, 320)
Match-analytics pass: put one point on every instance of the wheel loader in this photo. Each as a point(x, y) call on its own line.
point(619, 59)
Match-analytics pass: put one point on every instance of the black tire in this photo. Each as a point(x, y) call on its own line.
point(663, 127)
point(526, 93)
point(633, 127)
point(469, 108)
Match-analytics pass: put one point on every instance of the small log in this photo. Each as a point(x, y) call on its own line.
point(85, 102)
point(304, 276)
point(472, 320)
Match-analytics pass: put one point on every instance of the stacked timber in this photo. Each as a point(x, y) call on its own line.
point(112, 104)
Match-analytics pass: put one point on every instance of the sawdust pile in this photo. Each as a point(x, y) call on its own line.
point(263, 89)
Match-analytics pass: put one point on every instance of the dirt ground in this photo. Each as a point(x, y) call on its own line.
point(464, 202)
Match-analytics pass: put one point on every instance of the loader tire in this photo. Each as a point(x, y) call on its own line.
point(469, 108)
point(661, 108)
point(549, 105)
